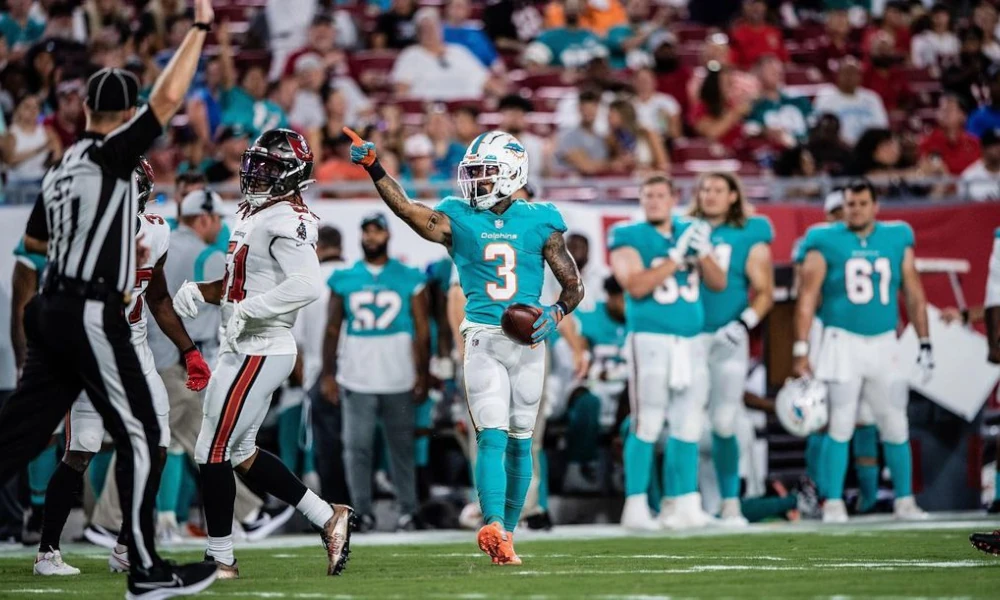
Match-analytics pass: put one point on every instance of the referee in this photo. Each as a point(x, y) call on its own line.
point(78, 337)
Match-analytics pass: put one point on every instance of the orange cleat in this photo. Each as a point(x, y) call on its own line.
point(514, 559)
point(496, 542)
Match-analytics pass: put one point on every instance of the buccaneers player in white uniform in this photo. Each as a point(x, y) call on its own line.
point(271, 272)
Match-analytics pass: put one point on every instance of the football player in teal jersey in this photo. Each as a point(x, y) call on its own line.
point(660, 262)
point(500, 244)
point(856, 268)
point(742, 247)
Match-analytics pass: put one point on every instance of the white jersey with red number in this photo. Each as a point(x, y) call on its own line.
point(253, 270)
point(155, 235)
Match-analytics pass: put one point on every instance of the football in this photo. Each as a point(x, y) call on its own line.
point(518, 322)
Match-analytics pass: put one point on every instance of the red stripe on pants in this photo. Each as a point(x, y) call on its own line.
point(231, 409)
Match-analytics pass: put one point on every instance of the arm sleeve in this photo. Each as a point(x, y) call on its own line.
point(301, 285)
point(122, 147)
point(38, 227)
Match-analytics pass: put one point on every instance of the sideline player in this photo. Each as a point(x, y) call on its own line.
point(271, 272)
point(742, 248)
point(660, 263)
point(500, 244)
point(856, 268)
point(85, 427)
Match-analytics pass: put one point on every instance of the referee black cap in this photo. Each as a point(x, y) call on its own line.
point(111, 90)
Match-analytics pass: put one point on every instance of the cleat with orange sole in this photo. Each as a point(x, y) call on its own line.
point(495, 542)
point(514, 559)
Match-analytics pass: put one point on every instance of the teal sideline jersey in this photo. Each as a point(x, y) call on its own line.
point(377, 304)
point(675, 307)
point(499, 257)
point(608, 370)
point(35, 262)
point(571, 47)
point(732, 247)
point(863, 276)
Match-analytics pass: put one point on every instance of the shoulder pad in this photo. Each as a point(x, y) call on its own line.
point(294, 222)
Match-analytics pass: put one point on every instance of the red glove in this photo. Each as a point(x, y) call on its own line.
point(198, 371)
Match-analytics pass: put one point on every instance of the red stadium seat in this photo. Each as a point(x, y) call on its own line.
point(547, 78)
point(801, 75)
point(690, 32)
point(371, 68)
point(698, 149)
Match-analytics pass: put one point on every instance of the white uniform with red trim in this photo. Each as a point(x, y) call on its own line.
point(271, 272)
point(86, 427)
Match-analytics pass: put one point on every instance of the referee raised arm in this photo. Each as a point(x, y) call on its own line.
point(78, 337)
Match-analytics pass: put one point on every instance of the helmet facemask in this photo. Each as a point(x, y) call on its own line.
point(143, 175)
point(264, 177)
point(480, 183)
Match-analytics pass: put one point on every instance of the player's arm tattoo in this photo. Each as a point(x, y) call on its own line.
point(564, 268)
point(430, 224)
point(162, 308)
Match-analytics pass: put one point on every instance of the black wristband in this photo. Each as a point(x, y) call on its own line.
point(562, 306)
point(965, 316)
point(376, 171)
point(206, 27)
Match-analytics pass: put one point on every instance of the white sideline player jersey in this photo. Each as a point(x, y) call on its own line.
point(251, 270)
point(155, 234)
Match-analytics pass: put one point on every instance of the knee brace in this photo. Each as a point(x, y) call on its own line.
point(843, 404)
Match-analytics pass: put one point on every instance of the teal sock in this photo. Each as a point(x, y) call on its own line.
point(834, 467)
point(98, 470)
point(680, 468)
point(186, 492)
point(764, 507)
point(170, 482)
point(40, 470)
point(996, 483)
point(654, 493)
point(491, 478)
point(422, 450)
point(518, 467)
point(543, 485)
point(584, 428)
point(865, 446)
point(289, 424)
point(638, 459)
point(900, 462)
point(726, 457)
point(814, 460)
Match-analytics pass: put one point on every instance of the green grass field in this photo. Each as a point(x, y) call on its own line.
point(857, 564)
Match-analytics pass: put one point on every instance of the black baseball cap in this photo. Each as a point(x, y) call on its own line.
point(378, 219)
point(111, 90)
point(990, 137)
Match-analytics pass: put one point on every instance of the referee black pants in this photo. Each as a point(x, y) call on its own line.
point(74, 345)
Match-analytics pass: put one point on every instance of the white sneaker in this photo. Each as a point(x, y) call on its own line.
point(906, 509)
point(576, 480)
point(636, 515)
point(167, 530)
point(687, 514)
point(834, 511)
point(118, 561)
point(471, 516)
point(731, 514)
point(51, 563)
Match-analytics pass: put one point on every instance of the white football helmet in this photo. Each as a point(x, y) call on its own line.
point(801, 406)
point(493, 157)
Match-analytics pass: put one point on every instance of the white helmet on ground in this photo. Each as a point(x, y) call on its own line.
point(493, 157)
point(801, 406)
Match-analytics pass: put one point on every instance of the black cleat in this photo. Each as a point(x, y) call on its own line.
point(541, 520)
point(986, 542)
point(168, 581)
point(994, 508)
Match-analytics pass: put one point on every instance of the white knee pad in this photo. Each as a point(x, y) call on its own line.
point(843, 401)
point(687, 413)
point(487, 390)
point(893, 422)
point(648, 424)
point(526, 382)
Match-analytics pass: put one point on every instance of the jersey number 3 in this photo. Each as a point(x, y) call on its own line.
point(858, 278)
point(670, 291)
point(505, 271)
point(234, 281)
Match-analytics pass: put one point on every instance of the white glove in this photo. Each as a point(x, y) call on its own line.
point(680, 249)
point(925, 361)
point(186, 300)
point(442, 368)
point(701, 241)
point(734, 334)
point(234, 327)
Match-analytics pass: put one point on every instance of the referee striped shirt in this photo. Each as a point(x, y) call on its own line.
point(86, 210)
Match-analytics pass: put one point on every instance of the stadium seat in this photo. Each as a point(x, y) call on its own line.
point(696, 149)
point(690, 32)
point(371, 68)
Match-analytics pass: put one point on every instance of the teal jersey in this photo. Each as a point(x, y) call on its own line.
point(380, 303)
point(798, 254)
point(616, 36)
point(255, 116)
point(35, 262)
point(675, 307)
point(499, 257)
point(571, 47)
point(788, 113)
point(439, 274)
point(863, 276)
point(606, 338)
point(732, 247)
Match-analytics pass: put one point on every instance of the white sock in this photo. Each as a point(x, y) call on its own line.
point(315, 509)
point(221, 549)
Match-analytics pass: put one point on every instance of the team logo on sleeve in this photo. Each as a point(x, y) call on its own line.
point(301, 231)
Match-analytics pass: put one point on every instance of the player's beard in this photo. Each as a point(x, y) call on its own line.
point(375, 252)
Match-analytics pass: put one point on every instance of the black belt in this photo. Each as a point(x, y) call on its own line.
point(78, 288)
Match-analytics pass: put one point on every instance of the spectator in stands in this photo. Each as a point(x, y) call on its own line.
point(984, 16)
point(988, 116)
point(29, 147)
point(883, 73)
point(672, 78)
point(743, 86)
point(718, 116)
point(937, 45)
point(321, 39)
point(397, 27)
point(582, 149)
point(434, 70)
point(204, 104)
point(247, 105)
point(458, 29)
point(570, 45)
point(780, 119)
point(67, 122)
point(632, 145)
point(827, 146)
point(153, 22)
point(949, 141)
point(64, 31)
point(108, 20)
point(178, 27)
point(968, 76)
point(514, 110)
point(627, 43)
point(716, 13)
point(594, 79)
point(879, 157)
point(836, 43)
point(798, 162)
point(896, 23)
point(286, 26)
point(656, 111)
point(18, 28)
point(283, 93)
point(307, 114)
point(597, 16)
point(391, 128)
point(983, 176)
point(753, 37)
point(419, 173)
point(511, 24)
point(335, 111)
point(336, 164)
point(447, 152)
point(467, 127)
point(41, 72)
point(105, 54)
point(856, 107)
point(231, 142)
